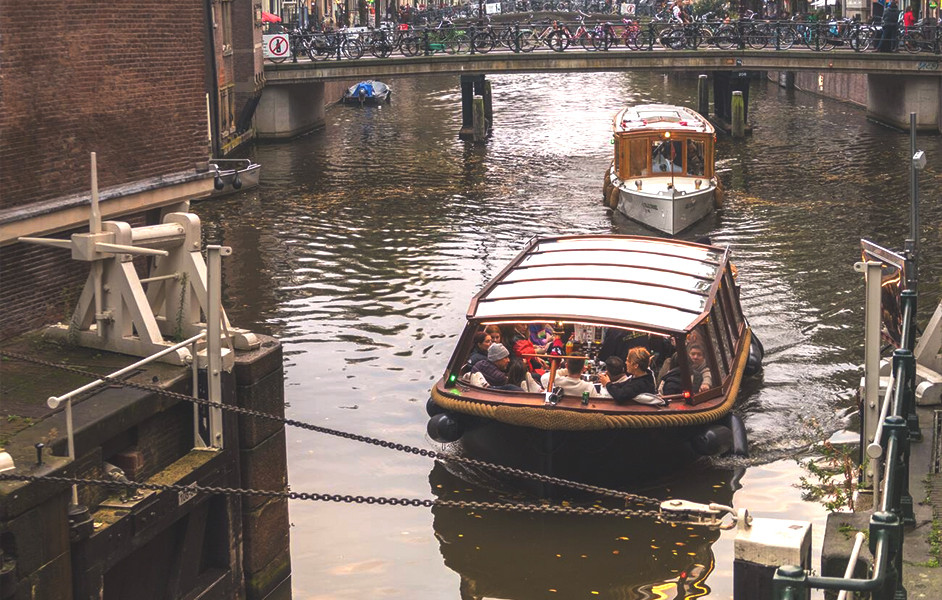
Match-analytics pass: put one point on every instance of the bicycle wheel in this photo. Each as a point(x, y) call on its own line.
point(528, 42)
point(863, 39)
point(673, 39)
point(483, 42)
point(758, 37)
point(461, 43)
point(558, 41)
point(411, 46)
point(599, 41)
point(828, 41)
point(380, 49)
point(726, 37)
point(703, 37)
point(787, 38)
point(642, 40)
point(913, 43)
point(352, 49)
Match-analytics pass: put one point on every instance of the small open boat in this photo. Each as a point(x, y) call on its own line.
point(368, 92)
point(663, 173)
point(233, 175)
point(602, 296)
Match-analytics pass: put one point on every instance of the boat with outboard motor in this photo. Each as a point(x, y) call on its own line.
point(583, 299)
point(663, 174)
point(368, 92)
point(234, 175)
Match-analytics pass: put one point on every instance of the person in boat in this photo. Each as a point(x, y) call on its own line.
point(702, 377)
point(482, 341)
point(570, 379)
point(493, 368)
point(667, 157)
point(494, 332)
point(615, 368)
point(640, 377)
point(519, 376)
point(523, 348)
point(542, 336)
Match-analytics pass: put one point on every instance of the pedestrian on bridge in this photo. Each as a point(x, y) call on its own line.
point(890, 27)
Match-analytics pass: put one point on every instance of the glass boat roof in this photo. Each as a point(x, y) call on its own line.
point(622, 280)
point(660, 117)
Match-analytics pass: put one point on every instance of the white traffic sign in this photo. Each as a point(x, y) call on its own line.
point(276, 45)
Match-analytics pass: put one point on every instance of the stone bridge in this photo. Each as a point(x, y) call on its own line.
point(293, 100)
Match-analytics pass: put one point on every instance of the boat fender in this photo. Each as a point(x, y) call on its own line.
point(613, 196)
point(714, 440)
point(432, 408)
point(218, 183)
point(445, 428)
point(719, 195)
point(237, 182)
point(606, 187)
point(389, 98)
point(738, 429)
point(754, 360)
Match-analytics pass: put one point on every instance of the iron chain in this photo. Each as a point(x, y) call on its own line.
point(341, 498)
point(444, 457)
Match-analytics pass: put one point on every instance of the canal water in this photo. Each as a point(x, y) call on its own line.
point(365, 242)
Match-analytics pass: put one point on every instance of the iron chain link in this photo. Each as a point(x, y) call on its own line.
point(317, 497)
point(441, 456)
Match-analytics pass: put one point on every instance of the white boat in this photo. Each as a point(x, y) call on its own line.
point(234, 175)
point(663, 172)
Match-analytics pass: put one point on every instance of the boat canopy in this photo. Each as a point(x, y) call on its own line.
point(661, 117)
point(643, 283)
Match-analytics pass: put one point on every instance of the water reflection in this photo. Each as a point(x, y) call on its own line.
point(365, 242)
point(510, 555)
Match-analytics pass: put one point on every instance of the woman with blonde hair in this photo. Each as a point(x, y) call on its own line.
point(640, 377)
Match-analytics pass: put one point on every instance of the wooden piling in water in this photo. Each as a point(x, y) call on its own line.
point(703, 96)
point(480, 125)
point(488, 106)
point(739, 115)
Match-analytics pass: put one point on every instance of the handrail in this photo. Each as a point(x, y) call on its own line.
point(55, 401)
point(852, 561)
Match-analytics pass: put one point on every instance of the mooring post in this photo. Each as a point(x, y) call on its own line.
point(762, 545)
point(703, 96)
point(488, 106)
point(739, 115)
point(467, 107)
point(480, 125)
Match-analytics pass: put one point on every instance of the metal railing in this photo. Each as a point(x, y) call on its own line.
point(610, 34)
point(887, 428)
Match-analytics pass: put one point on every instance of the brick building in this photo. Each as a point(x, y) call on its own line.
point(155, 87)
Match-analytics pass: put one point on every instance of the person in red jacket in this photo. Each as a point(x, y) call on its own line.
point(908, 19)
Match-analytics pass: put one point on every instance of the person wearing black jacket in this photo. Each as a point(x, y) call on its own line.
point(640, 380)
point(890, 27)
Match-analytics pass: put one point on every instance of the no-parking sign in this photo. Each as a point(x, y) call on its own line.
point(276, 45)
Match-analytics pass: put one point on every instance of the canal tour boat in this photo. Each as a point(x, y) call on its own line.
point(591, 297)
point(663, 173)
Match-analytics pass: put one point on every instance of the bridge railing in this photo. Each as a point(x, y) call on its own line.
point(616, 34)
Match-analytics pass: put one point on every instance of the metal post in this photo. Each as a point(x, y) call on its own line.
point(871, 408)
point(214, 339)
point(912, 244)
point(194, 357)
point(70, 434)
point(425, 41)
point(473, 31)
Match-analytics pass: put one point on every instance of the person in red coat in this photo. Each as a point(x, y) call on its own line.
point(908, 19)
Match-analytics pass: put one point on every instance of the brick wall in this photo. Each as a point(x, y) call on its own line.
point(124, 79)
point(41, 286)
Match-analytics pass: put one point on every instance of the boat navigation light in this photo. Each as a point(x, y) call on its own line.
point(667, 135)
point(638, 183)
point(686, 394)
point(452, 378)
point(697, 183)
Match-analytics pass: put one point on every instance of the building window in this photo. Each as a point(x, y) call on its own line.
point(226, 25)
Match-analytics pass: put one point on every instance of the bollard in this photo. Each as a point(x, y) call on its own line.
point(480, 126)
point(739, 115)
point(488, 106)
point(703, 95)
point(761, 546)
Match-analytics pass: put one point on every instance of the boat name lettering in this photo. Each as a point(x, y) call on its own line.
point(649, 206)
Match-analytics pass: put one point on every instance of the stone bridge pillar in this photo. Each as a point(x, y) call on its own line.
point(890, 99)
point(286, 111)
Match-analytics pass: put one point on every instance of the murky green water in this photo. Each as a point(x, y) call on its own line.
point(365, 242)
